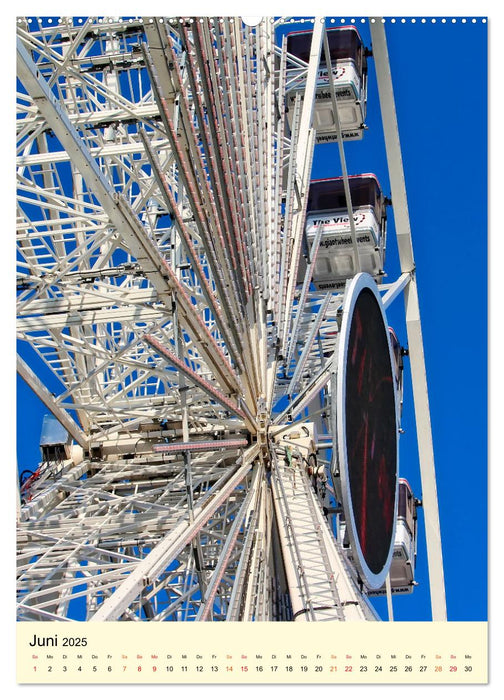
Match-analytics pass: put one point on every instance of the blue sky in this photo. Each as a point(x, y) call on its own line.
point(439, 76)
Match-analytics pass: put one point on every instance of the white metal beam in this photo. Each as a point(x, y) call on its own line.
point(49, 401)
point(392, 144)
point(395, 289)
point(303, 161)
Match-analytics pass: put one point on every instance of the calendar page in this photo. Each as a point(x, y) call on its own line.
point(251, 298)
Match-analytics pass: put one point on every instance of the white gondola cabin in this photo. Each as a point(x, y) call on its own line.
point(349, 68)
point(336, 256)
point(402, 568)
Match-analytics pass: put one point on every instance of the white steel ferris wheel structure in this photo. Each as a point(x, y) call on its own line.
point(162, 201)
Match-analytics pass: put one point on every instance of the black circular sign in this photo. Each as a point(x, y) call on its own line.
point(368, 431)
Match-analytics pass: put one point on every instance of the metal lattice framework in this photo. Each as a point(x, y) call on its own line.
point(161, 209)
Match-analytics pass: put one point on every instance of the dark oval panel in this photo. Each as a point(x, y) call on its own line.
point(371, 431)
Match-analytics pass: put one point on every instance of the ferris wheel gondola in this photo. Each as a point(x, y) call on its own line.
point(348, 57)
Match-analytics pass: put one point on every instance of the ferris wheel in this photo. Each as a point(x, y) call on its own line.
point(206, 325)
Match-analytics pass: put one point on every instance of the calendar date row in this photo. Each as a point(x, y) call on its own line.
point(267, 669)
